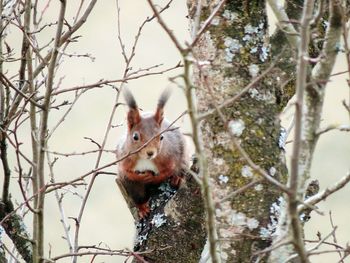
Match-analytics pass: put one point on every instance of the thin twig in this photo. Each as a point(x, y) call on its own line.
point(87, 253)
point(241, 190)
point(38, 248)
point(333, 127)
point(325, 193)
point(77, 96)
point(251, 84)
point(309, 251)
point(100, 83)
point(334, 235)
point(8, 83)
point(166, 28)
point(60, 206)
point(284, 23)
point(51, 187)
point(207, 23)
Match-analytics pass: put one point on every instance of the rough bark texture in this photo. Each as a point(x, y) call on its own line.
point(237, 45)
point(2, 254)
point(16, 230)
point(175, 229)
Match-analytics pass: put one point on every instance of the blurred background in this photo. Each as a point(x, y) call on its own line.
point(106, 220)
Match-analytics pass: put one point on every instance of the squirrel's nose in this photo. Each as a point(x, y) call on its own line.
point(150, 154)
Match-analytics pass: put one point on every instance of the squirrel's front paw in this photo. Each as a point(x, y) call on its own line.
point(147, 176)
point(175, 181)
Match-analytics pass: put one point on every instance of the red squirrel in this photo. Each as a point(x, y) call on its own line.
point(159, 155)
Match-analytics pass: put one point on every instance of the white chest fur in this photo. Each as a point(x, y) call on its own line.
point(146, 165)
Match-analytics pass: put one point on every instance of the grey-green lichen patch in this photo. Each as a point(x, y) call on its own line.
point(260, 139)
point(247, 171)
point(240, 43)
point(215, 21)
point(253, 70)
point(174, 225)
point(232, 47)
point(223, 179)
point(240, 219)
point(272, 171)
point(262, 95)
point(158, 220)
point(275, 212)
point(229, 15)
point(258, 187)
point(236, 127)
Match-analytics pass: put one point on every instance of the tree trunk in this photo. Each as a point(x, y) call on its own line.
point(237, 49)
point(243, 79)
point(175, 229)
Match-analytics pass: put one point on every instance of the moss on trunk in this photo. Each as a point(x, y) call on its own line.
point(239, 49)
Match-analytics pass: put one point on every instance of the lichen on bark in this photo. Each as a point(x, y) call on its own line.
point(16, 230)
point(238, 48)
point(174, 231)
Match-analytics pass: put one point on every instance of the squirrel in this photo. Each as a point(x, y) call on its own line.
point(155, 152)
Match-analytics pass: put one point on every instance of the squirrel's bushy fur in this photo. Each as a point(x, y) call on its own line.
point(155, 152)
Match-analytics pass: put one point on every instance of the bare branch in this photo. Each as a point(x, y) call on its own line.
point(100, 83)
point(8, 83)
point(166, 28)
point(241, 190)
point(325, 193)
point(309, 251)
point(87, 253)
point(285, 24)
point(207, 23)
point(243, 91)
point(60, 206)
point(65, 37)
point(334, 235)
point(345, 128)
point(38, 248)
point(202, 160)
point(294, 179)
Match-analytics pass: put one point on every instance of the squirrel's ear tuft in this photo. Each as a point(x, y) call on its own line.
point(159, 115)
point(133, 114)
point(129, 98)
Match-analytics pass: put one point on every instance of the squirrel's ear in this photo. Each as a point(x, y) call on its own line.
point(133, 118)
point(133, 114)
point(159, 115)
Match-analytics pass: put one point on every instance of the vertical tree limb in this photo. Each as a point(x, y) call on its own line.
point(296, 190)
point(227, 57)
point(311, 116)
point(46, 61)
point(196, 137)
point(38, 248)
point(203, 165)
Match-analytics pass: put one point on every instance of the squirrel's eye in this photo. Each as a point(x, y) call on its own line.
point(136, 136)
point(161, 137)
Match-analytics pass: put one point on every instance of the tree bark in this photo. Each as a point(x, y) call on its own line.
point(237, 48)
point(175, 229)
point(16, 230)
point(243, 80)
